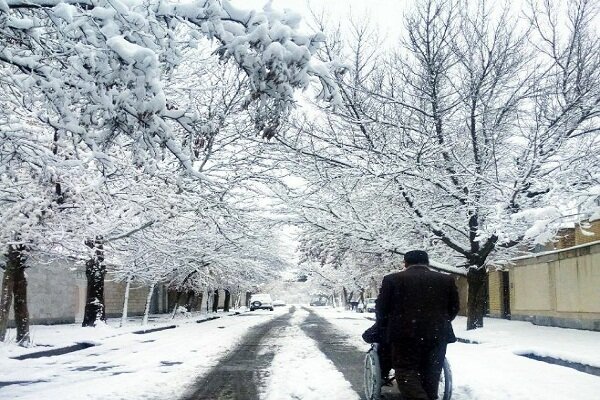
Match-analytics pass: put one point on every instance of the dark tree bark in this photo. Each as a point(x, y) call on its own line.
point(20, 305)
point(189, 300)
point(176, 305)
point(95, 272)
point(5, 301)
point(14, 287)
point(227, 300)
point(476, 302)
point(345, 294)
point(180, 293)
point(248, 295)
point(215, 305)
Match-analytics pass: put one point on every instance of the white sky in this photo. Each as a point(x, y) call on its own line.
point(387, 14)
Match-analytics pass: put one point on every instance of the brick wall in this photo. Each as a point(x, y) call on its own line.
point(588, 227)
point(565, 238)
point(114, 294)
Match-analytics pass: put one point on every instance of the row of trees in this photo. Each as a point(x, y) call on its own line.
point(130, 138)
point(471, 137)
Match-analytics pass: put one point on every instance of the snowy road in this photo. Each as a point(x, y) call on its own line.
point(241, 373)
point(297, 355)
point(291, 353)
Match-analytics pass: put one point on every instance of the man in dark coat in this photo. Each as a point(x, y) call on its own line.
point(416, 307)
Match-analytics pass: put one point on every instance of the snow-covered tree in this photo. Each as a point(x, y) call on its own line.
point(100, 91)
point(471, 139)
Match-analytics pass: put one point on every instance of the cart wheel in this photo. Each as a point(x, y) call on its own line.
point(372, 374)
point(445, 388)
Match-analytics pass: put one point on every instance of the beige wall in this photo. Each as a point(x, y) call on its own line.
point(560, 288)
point(495, 293)
point(531, 287)
point(51, 292)
point(463, 292)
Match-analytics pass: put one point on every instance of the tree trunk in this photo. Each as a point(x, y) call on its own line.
point(125, 302)
point(176, 306)
point(248, 295)
point(189, 300)
point(20, 305)
point(14, 285)
point(227, 300)
point(238, 300)
point(147, 308)
point(209, 300)
point(345, 295)
point(5, 301)
point(95, 272)
point(199, 302)
point(476, 301)
point(215, 304)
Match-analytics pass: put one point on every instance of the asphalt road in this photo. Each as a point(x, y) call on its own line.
point(240, 374)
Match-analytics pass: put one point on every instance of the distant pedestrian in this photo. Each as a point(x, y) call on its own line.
point(416, 307)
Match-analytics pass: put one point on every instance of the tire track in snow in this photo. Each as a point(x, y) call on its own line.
point(239, 374)
point(338, 347)
point(335, 345)
point(300, 371)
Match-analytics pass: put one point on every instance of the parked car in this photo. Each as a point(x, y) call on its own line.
point(370, 305)
point(318, 303)
point(262, 301)
point(278, 303)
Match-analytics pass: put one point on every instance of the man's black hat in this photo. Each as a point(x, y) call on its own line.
point(416, 257)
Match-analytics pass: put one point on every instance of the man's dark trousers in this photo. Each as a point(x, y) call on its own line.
point(418, 365)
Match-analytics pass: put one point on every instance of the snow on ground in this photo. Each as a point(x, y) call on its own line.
point(523, 337)
point(163, 364)
point(300, 371)
point(156, 365)
point(486, 373)
point(492, 370)
point(47, 337)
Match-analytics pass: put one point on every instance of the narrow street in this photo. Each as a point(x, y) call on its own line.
point(244, 374)
point(293, 352)
point(312, 353)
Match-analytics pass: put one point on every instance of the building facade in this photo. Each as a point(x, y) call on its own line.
point(559, 287)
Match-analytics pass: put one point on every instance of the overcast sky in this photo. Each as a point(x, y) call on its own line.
point(387, 14)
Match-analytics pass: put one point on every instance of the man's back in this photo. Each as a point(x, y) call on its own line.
point(418, 303)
